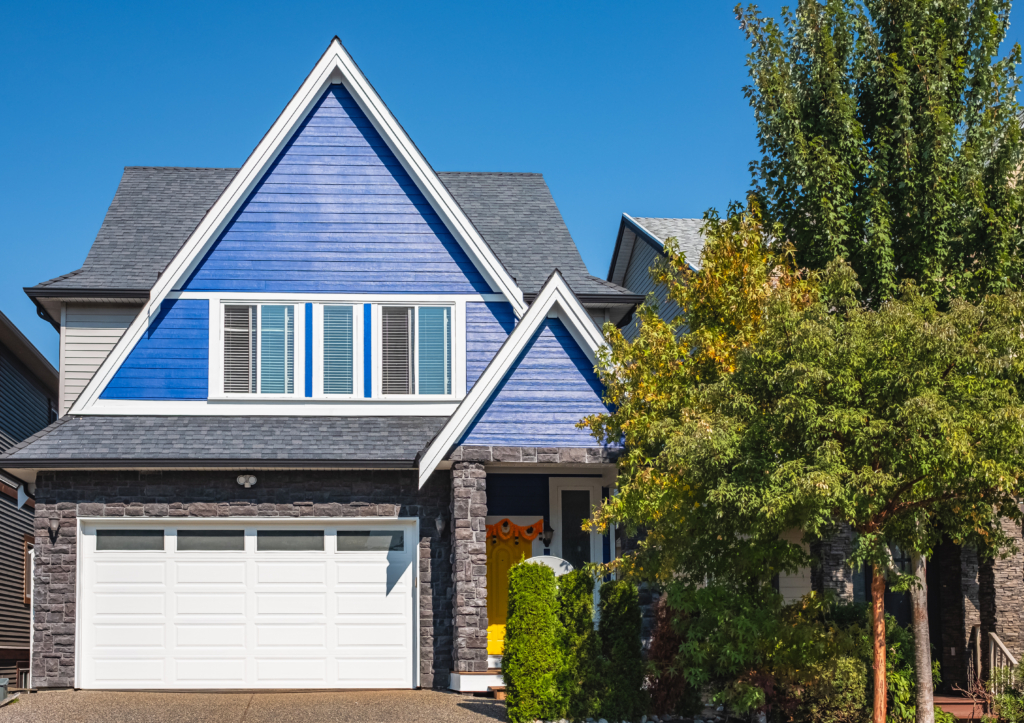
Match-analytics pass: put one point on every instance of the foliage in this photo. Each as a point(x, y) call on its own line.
point(889, 136)
point(581, 682)
point(669, 691)
point(622, 697)
point(1008, 702)
point(532, 660)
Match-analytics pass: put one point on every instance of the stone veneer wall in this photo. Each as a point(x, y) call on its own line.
point(832, 572)
point(66, 495)
point(469, 566)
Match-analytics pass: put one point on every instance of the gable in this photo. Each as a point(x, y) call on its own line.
point(337, 213)
point(549, 388)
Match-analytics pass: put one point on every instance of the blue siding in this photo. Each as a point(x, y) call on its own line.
point(551, 387)
point(337, 213)
point(171, 360)
point(488, 325)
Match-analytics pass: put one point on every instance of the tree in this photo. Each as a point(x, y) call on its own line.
point(890, 136)
point(904, 422)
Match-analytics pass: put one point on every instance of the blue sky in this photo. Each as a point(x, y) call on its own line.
point(624, 107)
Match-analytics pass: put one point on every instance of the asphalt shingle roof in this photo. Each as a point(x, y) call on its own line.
point(212, 439)
point(686, 230)
point(156, 209)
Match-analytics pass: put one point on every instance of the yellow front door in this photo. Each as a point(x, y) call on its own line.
point(502, 554)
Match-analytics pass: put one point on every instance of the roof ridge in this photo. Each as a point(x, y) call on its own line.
point(491, 173)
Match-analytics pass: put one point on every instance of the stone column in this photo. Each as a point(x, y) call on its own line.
point(469, 566)
point(832, 572)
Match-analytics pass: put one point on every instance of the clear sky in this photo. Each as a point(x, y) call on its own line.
point(629, 107)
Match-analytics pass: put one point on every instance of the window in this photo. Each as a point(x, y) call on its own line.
point(259, 349)
point(289, 540)
point(371, 540)
point(416, 350)
point(211, 540)
point(338, 363)
point(130, 540)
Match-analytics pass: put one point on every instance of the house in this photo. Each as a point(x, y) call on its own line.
point(311, 410)
point(28, 402)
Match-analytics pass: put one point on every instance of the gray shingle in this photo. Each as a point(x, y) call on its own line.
point(686, 230)
point(213, 439)
point(155, 209)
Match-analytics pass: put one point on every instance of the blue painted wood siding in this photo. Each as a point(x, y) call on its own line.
point(337, 213)
point(550, 387)
point(171, 360)
point(488, 325)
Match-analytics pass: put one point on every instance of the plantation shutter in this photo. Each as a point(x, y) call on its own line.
point(277, 349)
point(337, 350)
point(240, 349)
point(396, 349)
point(435, 350)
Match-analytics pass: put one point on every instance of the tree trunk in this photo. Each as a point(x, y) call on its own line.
point(922, 642)
point(878, 642)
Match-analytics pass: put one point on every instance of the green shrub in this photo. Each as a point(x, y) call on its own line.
point(670, 693)
point(623, 697)
point(581, 681)
point(834, 692)
point(531, 664)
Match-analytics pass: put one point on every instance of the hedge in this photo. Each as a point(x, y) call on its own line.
point(623, 697)
point(581, 675)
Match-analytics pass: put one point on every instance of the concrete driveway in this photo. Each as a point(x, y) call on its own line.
point(395, 706)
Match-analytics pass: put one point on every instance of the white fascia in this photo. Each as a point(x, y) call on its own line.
point(334, 66)
point(555, 299)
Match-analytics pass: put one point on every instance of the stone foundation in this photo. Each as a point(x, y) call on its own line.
point(66, 495)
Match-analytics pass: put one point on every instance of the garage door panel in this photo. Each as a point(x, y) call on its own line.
point(130, 670)
point(128, 636)
point(246, 618)
point(119, 603)
point(298, 636)
point(209, 636)
point(207, 671)
point(140, 573)
point(291, 572)
point(211, 573)
point(284, 603)
point(210, 603)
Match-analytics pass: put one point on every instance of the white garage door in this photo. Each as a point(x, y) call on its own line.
point(246, 605)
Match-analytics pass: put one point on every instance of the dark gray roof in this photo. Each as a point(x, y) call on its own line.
point(156, 209)
point(153, 212)
point(519, 220)
point(106, 441)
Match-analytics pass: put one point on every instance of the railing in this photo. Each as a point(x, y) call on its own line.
point(1001, 665)
point(974, 659)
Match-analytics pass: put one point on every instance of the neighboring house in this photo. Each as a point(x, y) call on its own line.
point(28, 402)
point(313, 408)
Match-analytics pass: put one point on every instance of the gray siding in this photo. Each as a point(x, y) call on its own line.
point(90, 331)
point(638, 280)
point(24, 404)
point(14, 613)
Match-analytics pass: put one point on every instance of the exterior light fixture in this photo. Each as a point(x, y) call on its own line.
point(246, 480)
point(54, 527)
point(440, 524)
point(547, 535)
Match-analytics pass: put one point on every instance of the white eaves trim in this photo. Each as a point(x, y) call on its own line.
point(334, 66)
point(555, 299)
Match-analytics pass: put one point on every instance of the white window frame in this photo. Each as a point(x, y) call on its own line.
point(216, 379)
point(458, 348)
point(318, 350)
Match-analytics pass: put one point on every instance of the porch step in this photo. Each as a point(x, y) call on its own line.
point(963, 708)
point(476, 682)
point(498, 691)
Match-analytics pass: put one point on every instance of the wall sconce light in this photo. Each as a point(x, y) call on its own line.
point(440, 522)
point(246, 480)
point(547, 535)
point(54, 527)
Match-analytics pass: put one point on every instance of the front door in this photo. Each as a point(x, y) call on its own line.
point(572, 500)
point(507, 545)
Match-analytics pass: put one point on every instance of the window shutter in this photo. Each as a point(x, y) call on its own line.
point(277, 349)
point(435, 350)
point(337, 350)
point(396, 349)
point(240, 349)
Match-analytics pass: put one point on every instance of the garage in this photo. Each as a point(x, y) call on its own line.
point(246, 604)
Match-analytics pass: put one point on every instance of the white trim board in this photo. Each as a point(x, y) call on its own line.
point(556, 300)
point(334, 66)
